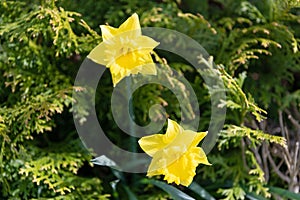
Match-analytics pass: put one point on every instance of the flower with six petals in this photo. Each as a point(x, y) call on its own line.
point(125, 50)
point(175, 153)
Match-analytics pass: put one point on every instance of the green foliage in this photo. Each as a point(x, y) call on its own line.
point(174, 193)
point(237, 99)
point(256, 137)
point(39, 44)
point(233, 193)
point(255, 45)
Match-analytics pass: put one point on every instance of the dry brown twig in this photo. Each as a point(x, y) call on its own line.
point(284, 161)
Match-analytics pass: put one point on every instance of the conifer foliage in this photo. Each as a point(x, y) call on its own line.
point(255, 46)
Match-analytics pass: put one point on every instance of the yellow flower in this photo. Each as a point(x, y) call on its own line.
point(125, 50)
point(175, 154)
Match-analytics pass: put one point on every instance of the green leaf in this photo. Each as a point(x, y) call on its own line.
point(130, 194)
point(200, 191)
point(105, 161)
point(253, 196)
point(172, 191)
point(284, 193)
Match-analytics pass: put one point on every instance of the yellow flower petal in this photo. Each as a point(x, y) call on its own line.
point(132, 24)
point(146, 43)
point(124, 50)
point(175, 154)
point(131, 63)
point(197, 137)
point(147, 69)
point(152, 143)
point(97, 55)
point(108, 32)
point(117, 72)
point(133, 59)
point(183, 169)
point(202, 157)
point(172, 131)
point(180, 170)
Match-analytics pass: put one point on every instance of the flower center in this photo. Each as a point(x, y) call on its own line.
point(124, 50)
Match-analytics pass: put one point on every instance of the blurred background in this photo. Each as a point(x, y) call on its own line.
point(255, 46)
